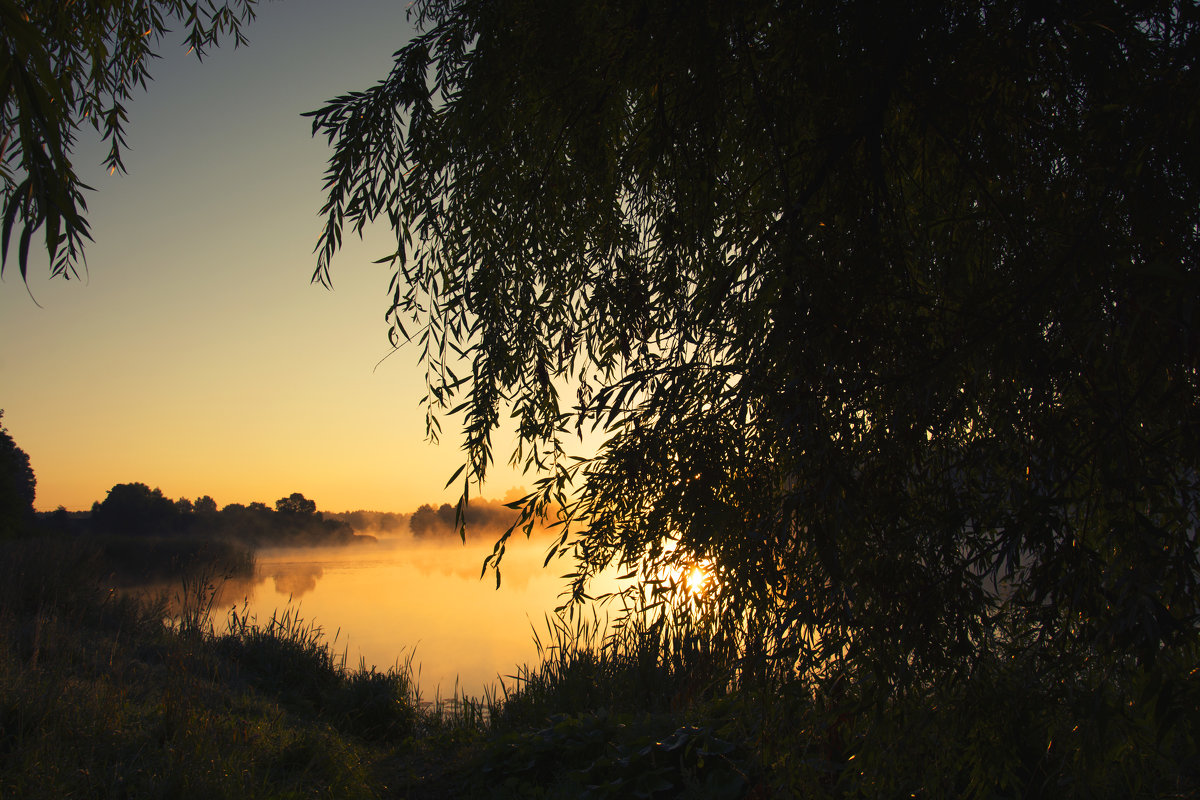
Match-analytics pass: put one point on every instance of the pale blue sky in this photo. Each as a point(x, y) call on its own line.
point(196, 356)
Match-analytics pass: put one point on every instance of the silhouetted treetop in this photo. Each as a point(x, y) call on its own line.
point(295, 503)
point(18, 485)
point(877, 305)
point(136, 509)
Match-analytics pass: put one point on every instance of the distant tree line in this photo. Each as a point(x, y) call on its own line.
point(482, 518)
point(134, 509)
point(383, 522)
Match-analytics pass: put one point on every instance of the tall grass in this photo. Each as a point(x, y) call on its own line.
point(194, 602)
point(596, 708)
point(642, 663)
point(100, 697)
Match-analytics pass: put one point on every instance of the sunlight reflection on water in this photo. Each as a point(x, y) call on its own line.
point(388, 600)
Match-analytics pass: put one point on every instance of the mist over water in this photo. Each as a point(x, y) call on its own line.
point(401, 597)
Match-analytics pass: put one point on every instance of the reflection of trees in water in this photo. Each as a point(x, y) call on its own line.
point(235, 591)
point(294, 579)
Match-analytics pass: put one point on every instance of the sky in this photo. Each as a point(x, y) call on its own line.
point(196, 355)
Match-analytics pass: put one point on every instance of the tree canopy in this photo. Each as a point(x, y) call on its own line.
point(18, 486)
point(67, 65)
point(138, 510)
point(296, 503)
point(888, 313)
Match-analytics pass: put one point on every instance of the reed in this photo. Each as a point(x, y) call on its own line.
point(642, 663)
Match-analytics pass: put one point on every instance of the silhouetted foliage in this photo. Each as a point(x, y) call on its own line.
point(888, 313)
point(205, 505)
point(64, 65)
point(18, 486)
point(133, 509)
point(294, 522)
point(384, 522)
point(295, 503)
point(482, 518)
point(61, 521)
point(137, 510)
point(423, 520)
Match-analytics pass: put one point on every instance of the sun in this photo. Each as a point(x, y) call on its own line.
point(692, 575)
point(698, 579)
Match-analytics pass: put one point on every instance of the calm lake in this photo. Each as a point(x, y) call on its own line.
point(385, 601)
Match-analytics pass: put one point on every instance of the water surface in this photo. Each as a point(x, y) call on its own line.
point(381, 603)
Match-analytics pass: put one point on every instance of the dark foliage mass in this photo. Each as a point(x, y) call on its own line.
point(134, 509)
point(18, 486)
point(296, 504)
point(889, 313)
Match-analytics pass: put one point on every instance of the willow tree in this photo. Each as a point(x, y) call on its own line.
point(889, 314)
point(67, 66)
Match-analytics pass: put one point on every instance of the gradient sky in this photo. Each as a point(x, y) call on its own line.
point(196, 356)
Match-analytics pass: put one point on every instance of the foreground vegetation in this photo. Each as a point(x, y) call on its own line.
point(100, 697)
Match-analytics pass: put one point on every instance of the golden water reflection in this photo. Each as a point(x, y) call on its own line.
point(382, 602)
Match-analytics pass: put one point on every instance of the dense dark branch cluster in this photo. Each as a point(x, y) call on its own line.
point(889, 313)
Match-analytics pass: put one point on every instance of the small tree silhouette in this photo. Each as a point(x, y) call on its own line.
point(296, 503)
point(18, 485)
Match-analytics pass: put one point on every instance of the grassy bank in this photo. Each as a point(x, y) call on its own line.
point(99, 697)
